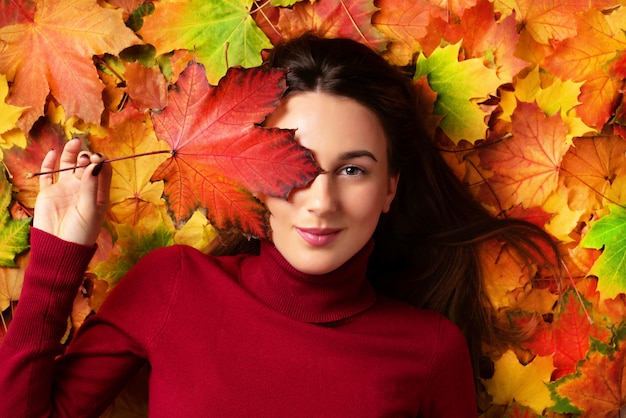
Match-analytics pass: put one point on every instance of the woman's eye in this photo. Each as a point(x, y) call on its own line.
point(352, 171)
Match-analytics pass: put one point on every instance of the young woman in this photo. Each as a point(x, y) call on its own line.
point(297, 330)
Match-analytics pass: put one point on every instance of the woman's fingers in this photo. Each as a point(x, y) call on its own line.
point(47, 165)
point(93, 195)
point(104, 184)
point(69, 157)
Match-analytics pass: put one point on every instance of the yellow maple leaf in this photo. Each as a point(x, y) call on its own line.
point(544, 20)
point(8, 114)
point(563, 220)
point(11, 279)
point(552, 95)
point(133, 195)
point(10, 135)
point(524, 384)
point(197, 232)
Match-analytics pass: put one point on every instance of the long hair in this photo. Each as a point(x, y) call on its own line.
point(427, 246)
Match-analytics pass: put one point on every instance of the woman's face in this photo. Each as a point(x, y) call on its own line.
point(321, 226)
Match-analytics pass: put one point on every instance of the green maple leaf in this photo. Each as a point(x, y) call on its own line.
point(13, 232)
point(459, 85)
point(609, 234)
point(133, 242)
point(222, 33)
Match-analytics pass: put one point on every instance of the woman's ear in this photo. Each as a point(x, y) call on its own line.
point(391, 192)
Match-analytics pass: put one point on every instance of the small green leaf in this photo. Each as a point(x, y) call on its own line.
point(609, 235)
point(459, 85)
point(283, 3)
point(13, 232)
point(133, 242)
point(135, 20)
point(145, 54)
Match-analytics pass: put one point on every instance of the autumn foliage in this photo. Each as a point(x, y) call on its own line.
point(524, 98)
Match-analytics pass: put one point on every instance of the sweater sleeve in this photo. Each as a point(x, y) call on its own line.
point(451, 382)
point(35, 378)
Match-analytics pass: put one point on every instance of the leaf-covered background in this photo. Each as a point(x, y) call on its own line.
point(524, 98)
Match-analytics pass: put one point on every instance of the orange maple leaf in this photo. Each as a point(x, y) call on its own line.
point(146, 86)
point(52, 53)
point(586, 57)
point(599, 97)
point(596, 44)
point(589, 169)
point(504, 273)
point(453, 9)
point(526, 166)
point(494, 41)
point(332, 18)
point(545, 20)
point(405, 23)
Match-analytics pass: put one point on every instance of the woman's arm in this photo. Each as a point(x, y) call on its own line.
point(68, 218)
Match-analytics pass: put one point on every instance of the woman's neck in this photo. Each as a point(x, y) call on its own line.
point(326, 298)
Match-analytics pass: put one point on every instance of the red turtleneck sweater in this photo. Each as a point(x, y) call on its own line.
point(229, 337)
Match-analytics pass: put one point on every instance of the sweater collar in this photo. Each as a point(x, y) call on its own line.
point(324, 298)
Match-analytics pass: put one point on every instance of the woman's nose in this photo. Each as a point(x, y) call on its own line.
point(320, 196)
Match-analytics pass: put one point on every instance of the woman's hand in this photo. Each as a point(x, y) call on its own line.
point(73, 208)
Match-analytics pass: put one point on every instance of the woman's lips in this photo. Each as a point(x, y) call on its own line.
point(319, 237)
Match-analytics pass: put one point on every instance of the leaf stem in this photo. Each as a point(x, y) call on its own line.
point(144, 154)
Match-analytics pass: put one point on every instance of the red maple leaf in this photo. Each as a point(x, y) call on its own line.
point(44, 136)
point(328, 18)
point(618, 68)
point(220, 157)
point(568, 335)
point(515, 410)
point(16, 12)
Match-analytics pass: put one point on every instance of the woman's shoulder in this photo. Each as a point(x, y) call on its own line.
point(167, 274)
point(188, 264)
point(182, 255)
point(416, 322)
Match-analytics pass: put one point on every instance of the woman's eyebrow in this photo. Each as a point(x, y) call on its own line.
point(356, 154)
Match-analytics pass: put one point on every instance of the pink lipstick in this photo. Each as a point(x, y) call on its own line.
point(319, 237)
